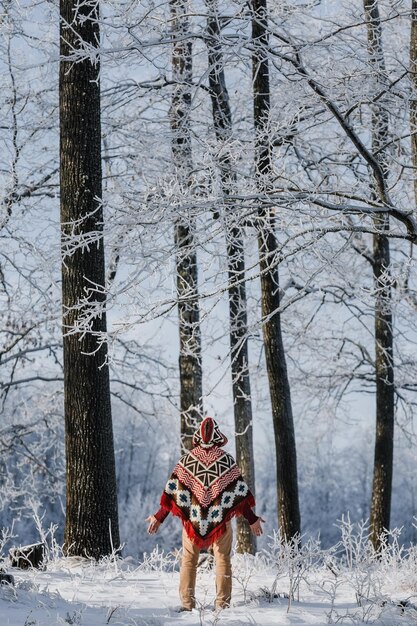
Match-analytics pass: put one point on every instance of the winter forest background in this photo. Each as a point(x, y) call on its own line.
point(340, 134)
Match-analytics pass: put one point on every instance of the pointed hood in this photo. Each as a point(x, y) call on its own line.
point(209, 434)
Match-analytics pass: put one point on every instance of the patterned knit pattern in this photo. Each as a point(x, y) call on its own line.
point(209, 428)
point(206, 489)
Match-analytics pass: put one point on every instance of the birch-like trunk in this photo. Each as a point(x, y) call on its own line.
point(222, 120)
point(286, 455)
point(191, 391)
point(91, 525)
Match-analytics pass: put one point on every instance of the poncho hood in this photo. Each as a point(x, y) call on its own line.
point(209, 434)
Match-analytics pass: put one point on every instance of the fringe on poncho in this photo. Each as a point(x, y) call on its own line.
point(206, 489)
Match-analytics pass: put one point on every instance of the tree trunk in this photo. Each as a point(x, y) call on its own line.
point(91, 527)
point(286, 456)
point(384, 367)
point(384, 371)
point(191, 391)
point(413, 99)
point(222, 119)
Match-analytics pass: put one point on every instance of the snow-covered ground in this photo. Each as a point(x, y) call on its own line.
point(353, 590)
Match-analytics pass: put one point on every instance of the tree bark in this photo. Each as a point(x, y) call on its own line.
point(242, 404)
point(413, 99)
point(384, 366)
point(91, 527)
point(191, 391)
point(286, 456)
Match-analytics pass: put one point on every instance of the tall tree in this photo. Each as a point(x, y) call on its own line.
point(222, 121)
point(191, 391)
point(286, 455)
point(384, 366)
point(91, 526)
point(413, 99)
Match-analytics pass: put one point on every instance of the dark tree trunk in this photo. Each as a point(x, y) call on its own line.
point(222, 119)
point(384, 367)
point(413, 99)
point(286, 456)
point(384, 371)
point(91, 527)
point(191, 391)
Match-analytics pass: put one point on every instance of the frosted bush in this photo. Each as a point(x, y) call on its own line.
point(293, 561)
point(244, 568)
point(159, 560)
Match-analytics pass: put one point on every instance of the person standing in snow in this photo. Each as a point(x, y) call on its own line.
point(205, 490)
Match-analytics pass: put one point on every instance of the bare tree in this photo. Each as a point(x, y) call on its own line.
point(286, 455)
point(239, 354)
point(384, 366)
point(91, 527)
point(413, 99)
point(186, 257)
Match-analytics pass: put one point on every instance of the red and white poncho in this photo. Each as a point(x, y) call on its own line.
point(206, 488)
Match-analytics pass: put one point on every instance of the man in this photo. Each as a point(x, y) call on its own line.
point(205, 491)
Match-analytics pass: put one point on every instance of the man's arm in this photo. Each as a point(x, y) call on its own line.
point(249, 515)
point(162, 514)
point(253, 520)
point(256, 527)
point(156, 520)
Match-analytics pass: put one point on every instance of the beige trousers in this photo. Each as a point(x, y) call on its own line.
point(222, 548)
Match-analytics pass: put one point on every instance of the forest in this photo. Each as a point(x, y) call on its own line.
point(207, 208)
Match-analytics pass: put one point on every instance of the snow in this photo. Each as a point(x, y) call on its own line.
point(80, 592)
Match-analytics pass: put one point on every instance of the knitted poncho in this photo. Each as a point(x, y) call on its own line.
point(206, 488)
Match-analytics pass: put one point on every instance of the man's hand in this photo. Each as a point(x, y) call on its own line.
point(256, 527)
point(153, 524)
